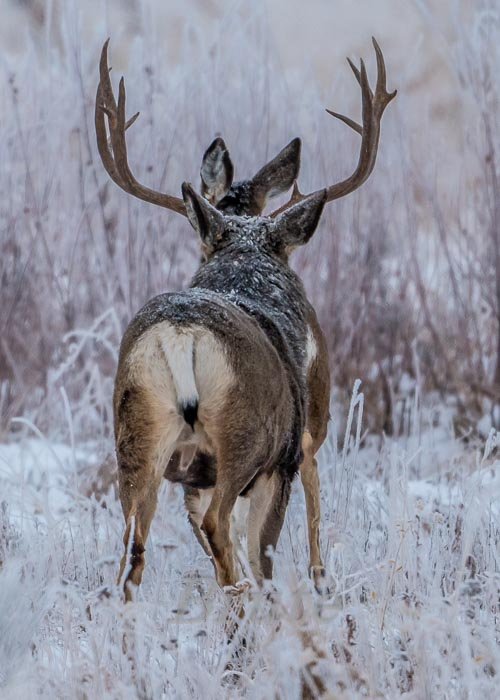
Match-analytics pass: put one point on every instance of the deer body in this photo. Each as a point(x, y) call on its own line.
point(215, 379)
point(225, 387)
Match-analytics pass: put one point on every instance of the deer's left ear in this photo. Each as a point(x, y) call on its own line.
point(296, 225)
point(203, 217)
point(278, 175)
point(216, 172)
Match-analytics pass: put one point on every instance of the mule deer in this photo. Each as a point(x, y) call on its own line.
point(225, 387)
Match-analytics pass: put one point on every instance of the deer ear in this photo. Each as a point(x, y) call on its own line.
point(203, 217)
point(279, 174)
point(216, 172)
point(296, 225)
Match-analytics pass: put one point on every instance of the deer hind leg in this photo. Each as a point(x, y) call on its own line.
point(217, 519)
point(138, 511)
point(216, 526)
point(268, 501)
point(310, 483)
point(145, 440)
point(197, 502)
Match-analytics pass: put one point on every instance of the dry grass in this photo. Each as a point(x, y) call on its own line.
point(410, 533)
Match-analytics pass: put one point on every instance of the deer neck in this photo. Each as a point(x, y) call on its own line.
point(267, 289)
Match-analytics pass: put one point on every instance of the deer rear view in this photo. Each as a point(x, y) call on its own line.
point(225, 387)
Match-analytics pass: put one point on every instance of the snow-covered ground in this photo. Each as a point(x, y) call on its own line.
point(411, 534)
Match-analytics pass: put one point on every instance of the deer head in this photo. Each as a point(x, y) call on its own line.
point(223, 234)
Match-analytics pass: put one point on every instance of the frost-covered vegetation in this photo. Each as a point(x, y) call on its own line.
point(405, 275)
point(411, 536)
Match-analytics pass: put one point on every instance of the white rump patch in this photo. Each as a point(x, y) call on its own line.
point(178, 347)
point(181, 365)
point(176, 366)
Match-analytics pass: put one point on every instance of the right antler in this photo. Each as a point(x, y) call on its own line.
point(373, 106)
point(114, 152)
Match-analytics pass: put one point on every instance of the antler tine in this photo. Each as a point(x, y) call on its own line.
point(105, 105)
point(347, 120)
point(131, 120)
point(114, 152)
point(381, 89)
point(118, 141)
point(381, 74)
point(105, 80)
point(373, 106)
point(358, 73)
point(355, 70)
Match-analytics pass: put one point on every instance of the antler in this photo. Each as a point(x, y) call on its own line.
point(114, 152)
point(373, 106)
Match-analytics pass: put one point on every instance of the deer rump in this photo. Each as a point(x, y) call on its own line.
point(199, 377)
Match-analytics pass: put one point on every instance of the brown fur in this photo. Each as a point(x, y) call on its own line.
point(247, 415)
point(318, 415)
point(242, 199)
point(244, 432)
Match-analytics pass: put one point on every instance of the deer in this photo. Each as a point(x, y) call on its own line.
point(225, 387)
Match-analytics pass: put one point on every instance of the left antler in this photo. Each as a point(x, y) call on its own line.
point(114, 152)
point(373, 106)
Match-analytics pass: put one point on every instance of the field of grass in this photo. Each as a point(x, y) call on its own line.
point(405, 275)
point(411, 538)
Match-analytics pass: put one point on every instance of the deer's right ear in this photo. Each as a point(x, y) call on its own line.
point(296, 225)
point(203, 217)
point(279, 174)
point(216, 172)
